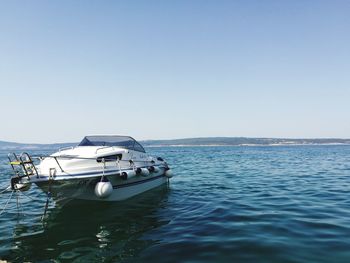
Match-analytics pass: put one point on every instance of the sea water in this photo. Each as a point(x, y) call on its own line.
point(224, 204)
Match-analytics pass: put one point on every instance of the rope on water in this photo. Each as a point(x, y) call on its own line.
point(8, 200)
point(5, 190)
point(26, 195)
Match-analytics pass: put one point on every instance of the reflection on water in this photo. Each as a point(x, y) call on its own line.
point(91, 230)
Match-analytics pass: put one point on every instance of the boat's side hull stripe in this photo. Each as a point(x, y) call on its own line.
point(138, 182)
point(106, 171)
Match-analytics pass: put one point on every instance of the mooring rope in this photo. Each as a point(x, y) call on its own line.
point(26, 195)
point(8, 200)
point(48, 198)
point(5, 190)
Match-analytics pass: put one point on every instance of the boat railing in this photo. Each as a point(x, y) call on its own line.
point(101, 148)
point(65, 148)
point(70, 157)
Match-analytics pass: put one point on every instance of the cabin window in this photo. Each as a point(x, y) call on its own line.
point(138, 147)
point(110, 158)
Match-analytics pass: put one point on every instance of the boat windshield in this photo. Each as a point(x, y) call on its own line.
point(120, 141)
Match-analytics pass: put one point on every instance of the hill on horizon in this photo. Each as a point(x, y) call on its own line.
point(236, 141)
point(201, 141)
point(4, 145)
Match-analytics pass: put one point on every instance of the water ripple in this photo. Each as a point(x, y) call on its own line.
point(225, 204)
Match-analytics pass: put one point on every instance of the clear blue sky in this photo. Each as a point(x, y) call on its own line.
point(173, 69)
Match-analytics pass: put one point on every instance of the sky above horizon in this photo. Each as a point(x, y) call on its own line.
point(174, 69)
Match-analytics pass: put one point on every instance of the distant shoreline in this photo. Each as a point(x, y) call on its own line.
point(249, 145)
point(197, 142)
point(48, 147)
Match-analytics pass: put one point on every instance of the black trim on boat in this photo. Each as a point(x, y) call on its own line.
point(138, 182)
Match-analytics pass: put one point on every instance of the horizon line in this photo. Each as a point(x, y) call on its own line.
point(204, 137)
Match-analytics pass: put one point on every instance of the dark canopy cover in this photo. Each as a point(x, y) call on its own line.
point(120, 141)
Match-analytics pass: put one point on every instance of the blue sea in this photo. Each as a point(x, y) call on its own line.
point(224, 204)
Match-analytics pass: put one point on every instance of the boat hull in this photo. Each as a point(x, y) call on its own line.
point(85, 189)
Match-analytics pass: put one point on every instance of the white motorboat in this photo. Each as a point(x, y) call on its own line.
point(106, 168)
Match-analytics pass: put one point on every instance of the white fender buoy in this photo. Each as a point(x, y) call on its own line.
point(22, 187)
point(169, 173)
point(131, 173)
point(144, 171)
point(156, 169)
point(103, 189)
point(128, 174)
